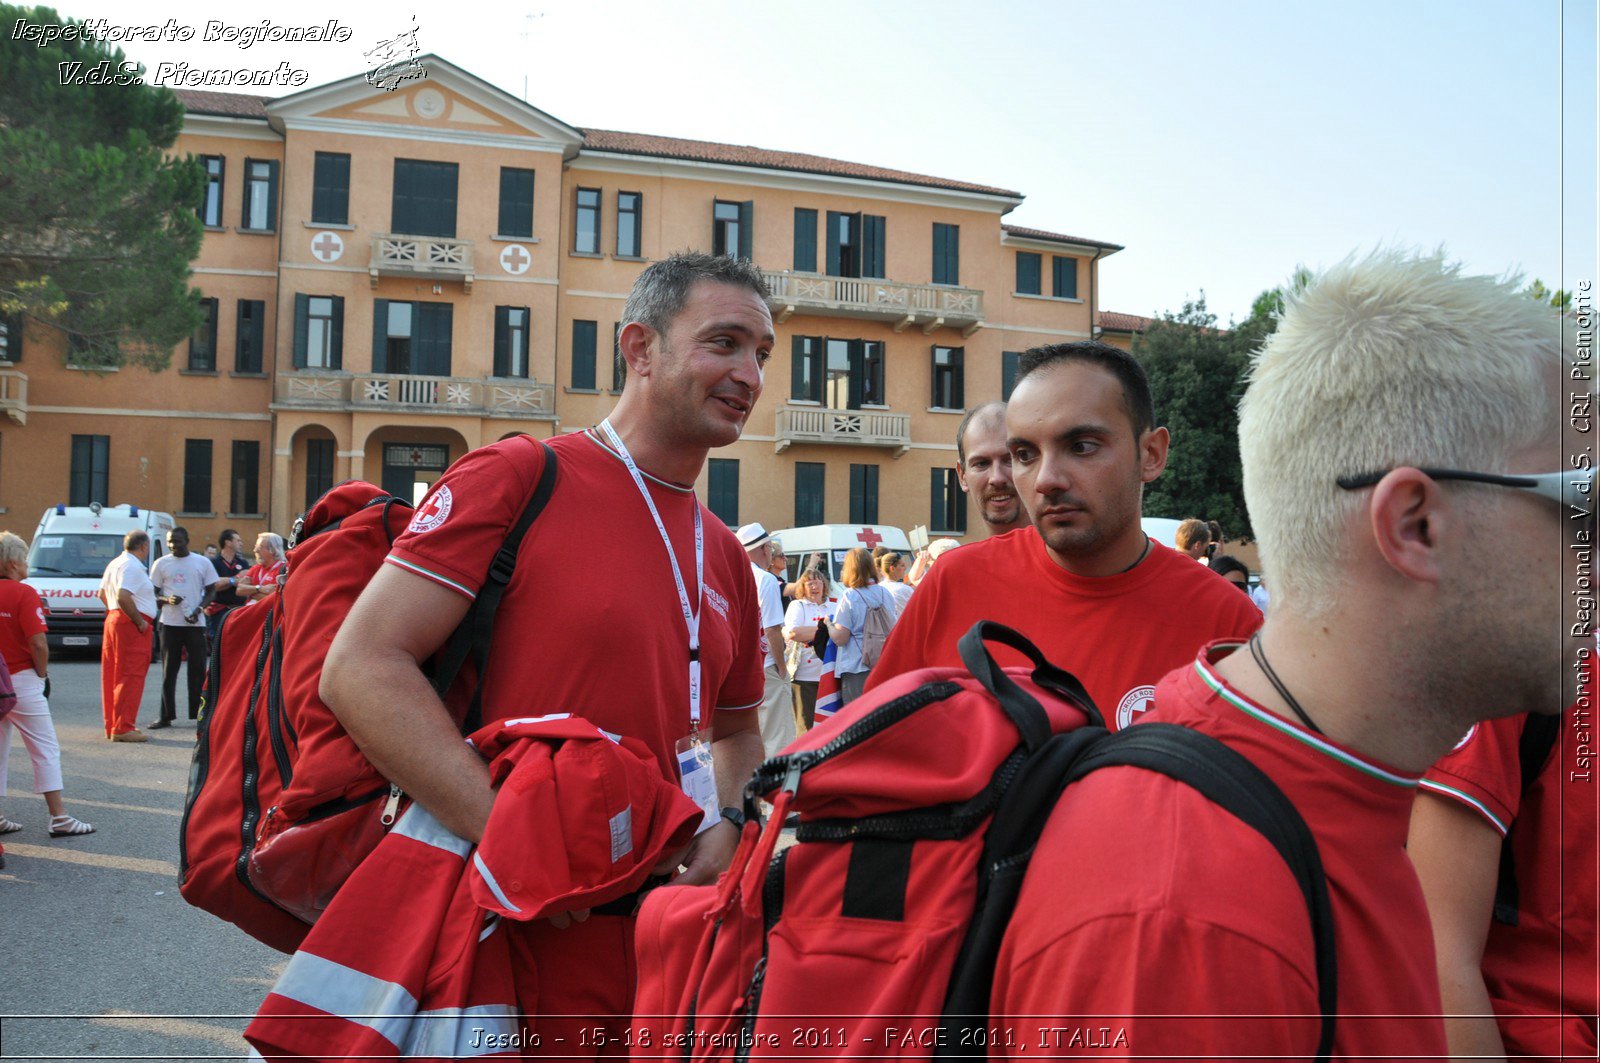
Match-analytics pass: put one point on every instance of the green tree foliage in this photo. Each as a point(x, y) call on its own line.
point(97, 225)
point(1560, 299)
point(1197, 376)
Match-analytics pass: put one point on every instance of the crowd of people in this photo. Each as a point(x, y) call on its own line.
point(1399, 409)
point(186, 593)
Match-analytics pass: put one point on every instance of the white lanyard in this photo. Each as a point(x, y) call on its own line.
point(691, 617)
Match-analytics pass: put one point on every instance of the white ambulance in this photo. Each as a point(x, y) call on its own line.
point(70, 551)
point(828, 543)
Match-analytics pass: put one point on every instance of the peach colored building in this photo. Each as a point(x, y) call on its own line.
point(396, 277)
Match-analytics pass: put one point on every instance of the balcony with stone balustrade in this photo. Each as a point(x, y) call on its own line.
point(855, 428)
point(927, 306)
point(423, 257)
point(304, 389)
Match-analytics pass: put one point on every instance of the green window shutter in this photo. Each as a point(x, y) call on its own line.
point(1064, 282)
point(430, 332)
point(1008, 373)
point(1028, 268)
point(380, 329)
point(872, 246)
point(936, 502)
point(858, 373)
point(272, 194)
point(797, 369)
point(747, 211)
point(835, 220)
point(336, 361)
point(805, 240)
point(958, 378)
point(502, 339)
point(583, 354)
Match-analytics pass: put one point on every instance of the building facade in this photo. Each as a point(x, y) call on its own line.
point(394, 278)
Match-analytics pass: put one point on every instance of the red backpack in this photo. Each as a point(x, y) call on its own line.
point(282, 805)
point(919, 808)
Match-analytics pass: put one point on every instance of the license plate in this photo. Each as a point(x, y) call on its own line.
point(75, 640)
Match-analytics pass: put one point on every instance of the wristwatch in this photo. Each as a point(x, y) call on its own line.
point(734, 816)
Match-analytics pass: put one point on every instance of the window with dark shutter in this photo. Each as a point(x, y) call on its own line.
point(90, 473)
point(1009, 361)
point(723, 494)
point(244, 494)
point(863, 494)
point(805, 240)
point(260, 195)
point(583, 353)
point(1028, 263)
point(203, 344)
point(809, 477)
point(856, 245)
point(873, 262)
point(728, 228)
point(948, 389)
point(10, 338)
point(1064, 277)
point(330, 189)
point(586, 231)
point(319, 469)
point(211, 205)
point(424, 198)
point(431, 339)
point(948, 506)
point(629, 224)
point(516, 202)
point(197, 476)
point(248, 342)
point(319, 331)
point(511, 341)
point(946, 253)
point(805, 369)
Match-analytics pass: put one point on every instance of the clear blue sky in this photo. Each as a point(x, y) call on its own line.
point(1222, 143)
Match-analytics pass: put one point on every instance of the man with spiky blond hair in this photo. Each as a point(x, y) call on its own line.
point(1400, 407)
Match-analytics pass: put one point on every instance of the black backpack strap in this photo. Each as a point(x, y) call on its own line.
point(475, 633)
point(1031, 721)
point(1539, 734)
point(1215, 770)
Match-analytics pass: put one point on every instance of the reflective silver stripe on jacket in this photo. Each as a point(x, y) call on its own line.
point(418, 824)
point(454, 1033)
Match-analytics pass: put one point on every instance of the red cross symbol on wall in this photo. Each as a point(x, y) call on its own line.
point(327, 246)
point(514, 259)
point(870, 537)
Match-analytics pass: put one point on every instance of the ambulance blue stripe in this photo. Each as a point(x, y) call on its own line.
point(419, 570)
point(1467, 799)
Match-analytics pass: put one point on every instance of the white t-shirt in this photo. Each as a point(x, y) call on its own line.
point(901, 592)
point(187, 577)
point(769, 595)
point(126, 573)
point(804, 613)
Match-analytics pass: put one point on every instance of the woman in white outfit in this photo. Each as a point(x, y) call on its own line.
point(892, 569)
point(27, 656)
point(799, 630)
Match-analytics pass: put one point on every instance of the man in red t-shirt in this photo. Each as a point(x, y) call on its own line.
point(1085, 584)
point(1518, 967)
point(1174, 925)
point(604, 639)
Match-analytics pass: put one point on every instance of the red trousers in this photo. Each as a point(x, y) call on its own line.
point(124, 660)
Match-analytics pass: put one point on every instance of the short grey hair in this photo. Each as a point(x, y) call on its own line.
point(12, 548)
point(272, 539)
point(663, 288)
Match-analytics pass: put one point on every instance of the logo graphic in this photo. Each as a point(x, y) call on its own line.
point(1134, 704)
point(718, 602)
point(515, 259)
point(328, 247)
point(434, 512)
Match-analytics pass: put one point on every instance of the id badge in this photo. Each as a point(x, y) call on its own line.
point(698, 780)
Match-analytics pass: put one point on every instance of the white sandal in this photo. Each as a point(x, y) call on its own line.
point(9, 826)
point(66, 826)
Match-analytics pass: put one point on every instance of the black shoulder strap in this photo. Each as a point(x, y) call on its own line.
point(1197, 760)
point(1539, 734)
point(475, 633)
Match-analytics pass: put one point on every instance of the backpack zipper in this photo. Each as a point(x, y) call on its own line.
point(771, 910)
point(252, 771)
point(275, 714)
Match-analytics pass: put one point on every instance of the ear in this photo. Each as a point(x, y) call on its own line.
point(638, 344)
point(1409, 516)
point(961, 476)
point(1153, 454)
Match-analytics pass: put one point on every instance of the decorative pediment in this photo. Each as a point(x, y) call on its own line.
point(438, 99)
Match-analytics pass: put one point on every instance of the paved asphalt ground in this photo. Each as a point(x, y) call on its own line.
point(99, 956)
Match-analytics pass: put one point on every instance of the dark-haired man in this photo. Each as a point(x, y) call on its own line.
point(1096, 594)
point(680, 599)
point(181, 580)
point(983, 468)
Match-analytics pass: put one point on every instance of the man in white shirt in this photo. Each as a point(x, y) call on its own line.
point(130, 600)
point(777, 713)
point(182, 579)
